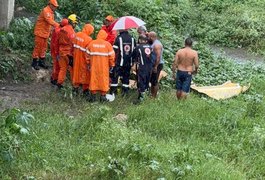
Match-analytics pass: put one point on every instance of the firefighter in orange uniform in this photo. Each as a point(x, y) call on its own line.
point(66, 39)
point(108, 25)
point(80, 68)
point(54, 46)
point(101, 60)
point(42, 32)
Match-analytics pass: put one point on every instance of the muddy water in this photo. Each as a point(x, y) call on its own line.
point(239, 55)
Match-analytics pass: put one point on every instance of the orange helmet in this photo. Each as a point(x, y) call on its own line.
point(110, 18)
point(54, 3)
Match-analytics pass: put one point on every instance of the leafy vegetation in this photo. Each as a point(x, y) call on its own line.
point(228, 23)
point(204, 20)
point(13, 124)
point(16, 46)
point(163, 139)
point(232, 23)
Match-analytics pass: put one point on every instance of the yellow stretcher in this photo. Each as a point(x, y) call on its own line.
point(224, 91)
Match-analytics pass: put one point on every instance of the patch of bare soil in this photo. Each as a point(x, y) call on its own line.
point(14, 94)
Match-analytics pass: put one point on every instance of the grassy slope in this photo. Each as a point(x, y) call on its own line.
point(195, 139)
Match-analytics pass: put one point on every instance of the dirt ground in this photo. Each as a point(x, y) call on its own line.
point(13, 94)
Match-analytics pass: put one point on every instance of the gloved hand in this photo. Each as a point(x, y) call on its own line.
point(71, 61)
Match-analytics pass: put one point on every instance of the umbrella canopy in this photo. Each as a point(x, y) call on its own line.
point(127, 22)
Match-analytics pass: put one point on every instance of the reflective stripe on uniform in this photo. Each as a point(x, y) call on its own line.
point(132, 45)
point(115, 47)
point(113, 85)
point(121, 49)
point(141, 56)
point(100, 53)
point(111, 52)
point(125, 85)
point(79, 47)
point(132, 49)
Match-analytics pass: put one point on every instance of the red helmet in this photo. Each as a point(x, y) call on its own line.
point(64, 22)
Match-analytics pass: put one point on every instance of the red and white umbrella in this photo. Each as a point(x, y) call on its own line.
point(127, 22)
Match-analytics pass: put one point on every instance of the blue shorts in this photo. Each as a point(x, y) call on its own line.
point(183, 81)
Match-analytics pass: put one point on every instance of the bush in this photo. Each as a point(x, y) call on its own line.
point(20, 35)
point(228, 23)
point(13, 124)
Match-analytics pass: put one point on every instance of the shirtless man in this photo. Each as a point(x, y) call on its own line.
point(187, 63)
point(158, 49)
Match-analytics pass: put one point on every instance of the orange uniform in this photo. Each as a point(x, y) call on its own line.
point(54, 46)
point(111, 33)
point(80, 68)
point(101, 59)
point(55, 53)
point(42, 31)
point(66, 39)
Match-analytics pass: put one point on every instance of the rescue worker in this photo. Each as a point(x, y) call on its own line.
point(142, 31)
point(80, 70)
point(101, 60)
point(123, 47)
point(54, 46)
point(142, 57)
point(66, 39)
point(42, 32)
point(158, 64)
point(108, 25)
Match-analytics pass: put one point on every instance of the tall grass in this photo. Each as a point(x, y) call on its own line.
point(195, 139)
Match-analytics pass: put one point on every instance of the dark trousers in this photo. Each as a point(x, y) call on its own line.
point(124, 73)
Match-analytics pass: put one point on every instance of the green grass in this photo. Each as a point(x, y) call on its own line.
point(195, 139)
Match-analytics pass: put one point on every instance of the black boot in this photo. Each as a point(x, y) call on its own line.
point(141, 96)
point(113, 90)
point(53, 82)
point(86, 94)
point(75, 91)
point(103, 98)
point(139, 99)
point(92, 98)
point(59, 86)
point(34, 64)
point(42, 63)
point(125, 91)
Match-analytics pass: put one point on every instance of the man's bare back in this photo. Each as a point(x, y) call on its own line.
point(185, 59)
